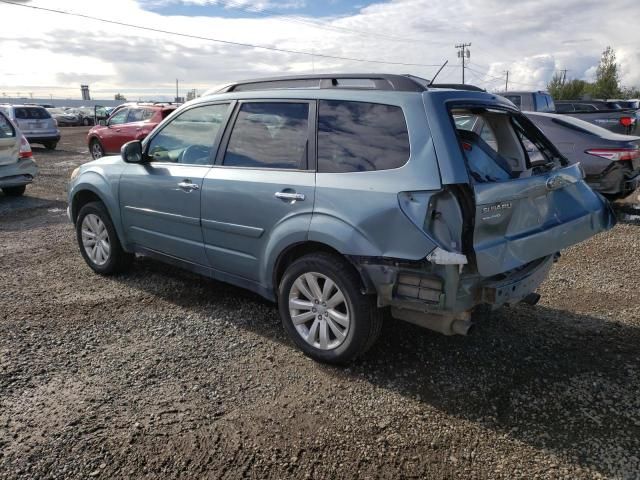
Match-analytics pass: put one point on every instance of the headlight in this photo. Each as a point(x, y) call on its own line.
point(75, 173)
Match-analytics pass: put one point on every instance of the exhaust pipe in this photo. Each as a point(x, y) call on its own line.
point(461, 327)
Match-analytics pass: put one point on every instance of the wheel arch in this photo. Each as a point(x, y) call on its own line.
point(297, 250)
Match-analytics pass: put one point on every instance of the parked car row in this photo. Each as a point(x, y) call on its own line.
point(73, 117)
point(610, 115)
point(338, 196)
point(609, 156)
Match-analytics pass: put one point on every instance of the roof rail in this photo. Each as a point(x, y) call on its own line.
point(356, 81)
point(458, 86)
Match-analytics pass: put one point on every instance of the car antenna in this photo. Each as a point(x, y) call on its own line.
point(438, 73)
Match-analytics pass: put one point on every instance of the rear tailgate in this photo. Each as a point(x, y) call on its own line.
point(523, 210)
point(618, 121)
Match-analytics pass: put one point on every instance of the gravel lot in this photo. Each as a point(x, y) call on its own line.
point(163, 374)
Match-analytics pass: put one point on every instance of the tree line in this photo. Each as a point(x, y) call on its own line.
point(606, 85)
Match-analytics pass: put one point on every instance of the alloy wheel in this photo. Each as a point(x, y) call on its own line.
point(319, 311)
point(95, 239)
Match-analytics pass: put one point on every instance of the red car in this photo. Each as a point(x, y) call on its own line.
point(127, 122)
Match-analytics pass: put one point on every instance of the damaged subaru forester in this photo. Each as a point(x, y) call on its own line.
point(342, 197)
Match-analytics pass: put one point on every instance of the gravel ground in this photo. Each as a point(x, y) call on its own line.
point(163, 374)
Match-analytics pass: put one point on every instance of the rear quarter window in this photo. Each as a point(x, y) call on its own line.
point(6, 129)
point(515, 99)
point(361, 137)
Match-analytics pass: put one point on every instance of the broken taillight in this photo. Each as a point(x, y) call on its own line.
point(627, 121)
point(615, 154)
point(25, 148)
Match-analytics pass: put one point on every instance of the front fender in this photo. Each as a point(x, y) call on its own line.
point(106, 191)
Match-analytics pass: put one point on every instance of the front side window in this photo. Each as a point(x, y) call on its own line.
point(119, 117)
point(6, 129)
point(544, 103)
point(135, 115)
point(189, 137)
point(269, 135)
point(360, 137)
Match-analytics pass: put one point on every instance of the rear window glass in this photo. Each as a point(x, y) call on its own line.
point(564, 107)
point(31, 113)
point(544, 102)
point(361, 137)
point(269, 135)
point(515, 99)
point(499, 146)
point(6, 129)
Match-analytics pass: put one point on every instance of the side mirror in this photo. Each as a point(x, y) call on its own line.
point(131, 152)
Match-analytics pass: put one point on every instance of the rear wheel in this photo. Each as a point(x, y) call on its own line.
point(50, 145)
point(14, 191)
point(98, 241)
point(323, 310)
point(96, 149)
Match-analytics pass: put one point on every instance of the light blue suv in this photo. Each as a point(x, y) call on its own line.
point(340, 197)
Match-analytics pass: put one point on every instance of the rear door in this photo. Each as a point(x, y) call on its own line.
point(262, 187)
point(528, 202)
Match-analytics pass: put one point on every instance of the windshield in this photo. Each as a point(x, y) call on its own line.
point(544, 102)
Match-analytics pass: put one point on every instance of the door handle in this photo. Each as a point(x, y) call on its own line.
point(292, 196)
point(187, 186)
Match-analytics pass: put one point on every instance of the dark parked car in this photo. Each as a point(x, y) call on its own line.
point(608, 115)
point(339, 195)
point(611, 161)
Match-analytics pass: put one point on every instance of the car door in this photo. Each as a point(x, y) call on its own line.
point(110, 135)
point(262, 188)
point(160, 198)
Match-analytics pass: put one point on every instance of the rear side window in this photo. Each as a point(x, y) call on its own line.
point(361, 137)
point(6, 129)
point(544, 103)
point(139, 114)
point(269, 135)
point(564, 108)
point(515, 99)
point(31, 113)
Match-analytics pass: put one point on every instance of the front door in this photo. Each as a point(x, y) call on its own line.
point(262, 188)
point(160, 199)
point(111, 135)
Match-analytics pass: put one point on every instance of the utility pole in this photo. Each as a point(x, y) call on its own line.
point(464, 53)
point(177, 90)
point(506, 82)
point(564, 76)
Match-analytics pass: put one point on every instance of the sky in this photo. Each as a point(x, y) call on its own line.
point(50, 54)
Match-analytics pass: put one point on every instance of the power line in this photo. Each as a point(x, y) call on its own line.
point(486, 74)
point(217, 40)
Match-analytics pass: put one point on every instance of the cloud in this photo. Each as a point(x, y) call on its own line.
point(531, 39)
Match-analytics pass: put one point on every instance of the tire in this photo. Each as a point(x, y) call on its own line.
point(363, 319)
point(105, 261)
point(50, 145)
point(14, 191)
point(96, 149)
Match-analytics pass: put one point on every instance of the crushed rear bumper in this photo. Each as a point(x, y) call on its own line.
point(17, 174)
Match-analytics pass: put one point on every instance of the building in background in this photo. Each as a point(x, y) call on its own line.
point(85, 92)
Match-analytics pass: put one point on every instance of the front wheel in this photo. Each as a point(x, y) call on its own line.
point(96, 149)
point(98, 241)
point(14, 191)
point(324, 311)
